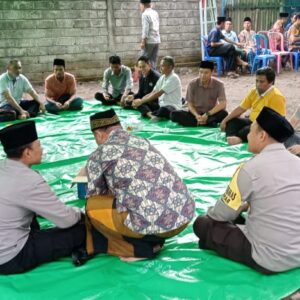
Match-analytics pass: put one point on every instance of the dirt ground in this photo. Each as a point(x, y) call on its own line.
point(288, 83)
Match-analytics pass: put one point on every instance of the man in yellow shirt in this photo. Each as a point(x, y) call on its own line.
point(263, 94)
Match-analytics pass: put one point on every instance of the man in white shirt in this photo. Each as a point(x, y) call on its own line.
point(167, 90)
point(150, 32)
point(13, 85)
point(23, 195)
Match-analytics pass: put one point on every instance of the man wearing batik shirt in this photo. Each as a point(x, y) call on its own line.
point(135, 198)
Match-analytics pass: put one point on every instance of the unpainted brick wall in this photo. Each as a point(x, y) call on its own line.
point(86, 32)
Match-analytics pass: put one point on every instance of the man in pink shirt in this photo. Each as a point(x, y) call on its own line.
point(60, 89)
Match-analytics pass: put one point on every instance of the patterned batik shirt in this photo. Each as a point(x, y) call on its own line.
point(143, 182)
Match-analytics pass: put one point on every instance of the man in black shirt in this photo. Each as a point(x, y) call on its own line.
point(146, 84)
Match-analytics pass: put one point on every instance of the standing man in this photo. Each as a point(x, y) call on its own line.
point(120, 79)
point(23, 194)
point(264, 94)
point(150, 32)
point(206, 100)
point(13, 85)
point(147, 82)
point(167, 90)
point(268, 185)
point(60, 89)
point(136, 200)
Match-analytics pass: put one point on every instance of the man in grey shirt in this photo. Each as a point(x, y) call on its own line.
point(268, 184)
point(120, 79)
point(150, 32)
point(23, 194)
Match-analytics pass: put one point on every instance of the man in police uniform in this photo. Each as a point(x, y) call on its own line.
point(23, 194)
point(269, 185)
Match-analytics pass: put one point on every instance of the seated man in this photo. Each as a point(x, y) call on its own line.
point(268, 241)
point(231, 35)
point(135, 198)
point(120, 79)
point(206, 100)
point(23, 194)
point(264, 94)
point(280, 23)
point(279, 27)
point(294, 35)
point(60, 90)
point(167, 90)
point(13, 85)
point(246, 37)
point(216, 47)
point(147, 82)
point(293, 142)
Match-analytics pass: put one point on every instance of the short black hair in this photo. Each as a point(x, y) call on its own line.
point(115, 60)
point(268, 72)
point(144, 58)
point(228, 19)
point(16, 152)
point(169, 60)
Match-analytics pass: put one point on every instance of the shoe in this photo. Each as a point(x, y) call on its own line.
point(80, 257)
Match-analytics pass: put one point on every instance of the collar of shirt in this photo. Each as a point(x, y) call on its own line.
point(266, 92)
point(121, 72)
point(11, 78)
point(273, 147)
point(205, 87)
point(169, 74)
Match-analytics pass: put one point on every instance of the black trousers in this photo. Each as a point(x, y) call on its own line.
point(186, 118)
point(112, 101)
point(152, 106)
point(239, 127)
point(227, 51)
point(45, 246)
point(164, 112)
point(227, 240)
point(144, 109)
point(9, 113)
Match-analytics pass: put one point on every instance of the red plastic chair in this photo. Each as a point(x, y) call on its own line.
point(276, 41)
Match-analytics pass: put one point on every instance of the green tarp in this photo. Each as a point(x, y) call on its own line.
point(181, 271)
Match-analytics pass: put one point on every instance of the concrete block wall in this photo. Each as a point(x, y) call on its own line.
point(86, 32)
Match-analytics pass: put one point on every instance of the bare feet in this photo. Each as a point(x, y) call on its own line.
point(234, 140)
point(131, 259)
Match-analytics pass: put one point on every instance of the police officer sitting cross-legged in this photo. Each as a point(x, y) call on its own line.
point(268, 184)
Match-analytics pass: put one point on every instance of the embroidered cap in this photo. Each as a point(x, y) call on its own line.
point(277, 126)
point(18, 135)
point(104, 119)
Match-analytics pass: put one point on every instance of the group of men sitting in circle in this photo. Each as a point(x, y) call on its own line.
point(135, 199)
point(239, 50)
point(159, 96)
